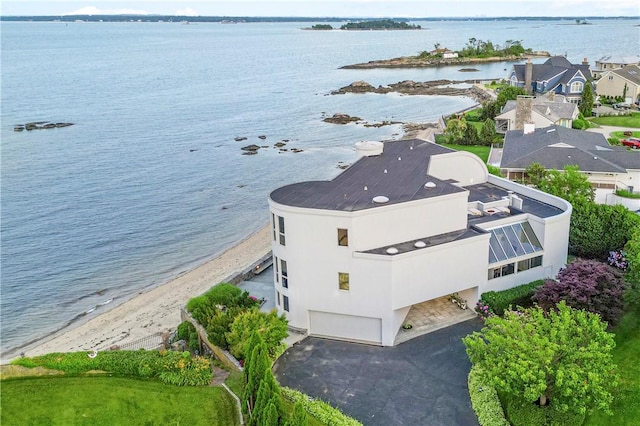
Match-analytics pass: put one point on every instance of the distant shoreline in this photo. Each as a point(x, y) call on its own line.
point(415, 62)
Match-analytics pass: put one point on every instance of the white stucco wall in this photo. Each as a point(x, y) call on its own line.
point(462, 166)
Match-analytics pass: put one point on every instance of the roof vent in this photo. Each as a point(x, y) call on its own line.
point(430, 185)
point(392, 250)
point(420, 244)
point(369, 148)
point(380, 199)
point(551, 130)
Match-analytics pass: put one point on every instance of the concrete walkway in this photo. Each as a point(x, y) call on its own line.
point(607, 130)
point(420, 382)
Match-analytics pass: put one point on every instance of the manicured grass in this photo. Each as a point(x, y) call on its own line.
point(621, 135)
point(480, 151)
point(99, 400)
point(632, 120)
point(626, 403)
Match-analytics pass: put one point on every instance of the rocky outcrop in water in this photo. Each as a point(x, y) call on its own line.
point(339, 118)
point(410, 87)
point(39, 125)
point(417, 62)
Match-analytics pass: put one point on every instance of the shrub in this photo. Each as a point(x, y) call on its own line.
point(177, 368)
point(614, 141)
point(485, 401)
point(322, 411)
point(585, 284)
point(187, 332)
point(272, 328)
point(499, 301)
point(525, 413)
point(494, 170)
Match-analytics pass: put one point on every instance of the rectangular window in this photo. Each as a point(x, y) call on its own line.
point(284, 273)
point(508, 269)
point(285, 303)
point(278, 298)
point(533, 262)
point(343, 237)
point(273, 224)
point(281, 230)
point(536, 261)
point(276, 268)
point(343, 281)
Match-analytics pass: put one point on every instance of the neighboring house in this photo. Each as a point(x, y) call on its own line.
point(446, 53)
point(540, 111)
point(554, 147)
point(623, 82)
point(556, 75)
point(612, 62)
point(410, 221)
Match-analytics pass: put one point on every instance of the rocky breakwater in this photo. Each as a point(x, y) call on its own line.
point(39, 125)
point(409, 87)
point(418, 62)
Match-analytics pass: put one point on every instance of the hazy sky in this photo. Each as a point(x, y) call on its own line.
point(337, 8)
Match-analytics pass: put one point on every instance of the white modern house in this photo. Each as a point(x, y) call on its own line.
point(408, 222)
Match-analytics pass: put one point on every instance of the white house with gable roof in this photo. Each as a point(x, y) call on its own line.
point(408, 222)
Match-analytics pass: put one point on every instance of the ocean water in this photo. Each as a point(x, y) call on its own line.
point(149, 181)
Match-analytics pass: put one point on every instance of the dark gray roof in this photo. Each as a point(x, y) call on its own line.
point(552, 67)
point(631, 73)
point(557, 110)
point(430, 241)
point(556, 147)
point(627, 158)
point(488, 192)
point(399, 174)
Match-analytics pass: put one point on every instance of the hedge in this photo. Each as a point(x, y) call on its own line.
point(485, 401)
point(177, 368)
point(499, 301)
point(319, 409)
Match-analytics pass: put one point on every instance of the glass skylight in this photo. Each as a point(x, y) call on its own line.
point(512, 241)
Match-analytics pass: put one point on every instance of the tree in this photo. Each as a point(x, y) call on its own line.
point(597, 229)
point(298, 416)
point(455, 131)
point(568, 184)
point(470, 135)
point(489, 110)
point(535, 173)
point(586, 104)
point(509, 93)
point(254, 368)
point(562, 359)
point(270, 417)
point(632, 248)
point(272, 327)
point(585, 284)
point(268, 393)
point(488, 132)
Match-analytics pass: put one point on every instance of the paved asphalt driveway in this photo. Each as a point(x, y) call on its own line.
point(421, 382)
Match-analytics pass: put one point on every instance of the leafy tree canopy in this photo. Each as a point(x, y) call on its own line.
point(568, 184)
point(562, 358)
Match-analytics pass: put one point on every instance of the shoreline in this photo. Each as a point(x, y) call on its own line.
point(156, 310)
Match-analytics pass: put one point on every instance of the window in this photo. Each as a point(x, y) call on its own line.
point(501, 271)
point(533, 262)
point(273, 223)
point(285, 303)
point(281, 229)
point(276, 269)
point(278, 298)
point(512, 241)
point(343, 281)
point(284, 273)
point(576, 87)
point(343, 237)
point(610, 78)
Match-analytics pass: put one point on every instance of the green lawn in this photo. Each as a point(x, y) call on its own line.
point(97, 400)
point(626, 403)
point(632, 120)
point(480, 151)
point(620, 135)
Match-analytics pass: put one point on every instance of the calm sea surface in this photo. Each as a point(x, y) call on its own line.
point(149, 182)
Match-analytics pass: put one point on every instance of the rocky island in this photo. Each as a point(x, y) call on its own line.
point(476, 52)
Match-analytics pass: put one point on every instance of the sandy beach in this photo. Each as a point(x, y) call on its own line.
point(158, 309)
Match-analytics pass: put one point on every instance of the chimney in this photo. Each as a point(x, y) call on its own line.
point(528, 76)
point(523, 111)
point(584, 61)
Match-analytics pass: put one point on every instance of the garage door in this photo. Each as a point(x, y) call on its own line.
point(348, 327)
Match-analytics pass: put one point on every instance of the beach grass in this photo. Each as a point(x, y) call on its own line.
point(99, 400)
point(632, 120)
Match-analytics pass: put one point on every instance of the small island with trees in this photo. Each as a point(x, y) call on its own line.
point(476, 51)
point(373, 25)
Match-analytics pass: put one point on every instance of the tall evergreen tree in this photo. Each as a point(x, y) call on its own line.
point(586, 104)
point(488, 132)
point(258, 363)
point(470, 135)
point(270, 416)
point(298, 416)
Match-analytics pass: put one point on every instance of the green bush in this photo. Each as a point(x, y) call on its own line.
point(272, 328)
point(493, 170)
point(614, 141)
point(322, 411)
point(170, 367)
point(485, 401)
point(187, 332)
point(499, 301)
point(525, 413)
